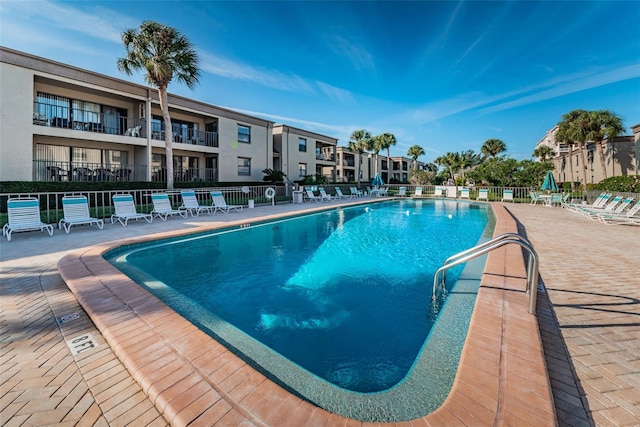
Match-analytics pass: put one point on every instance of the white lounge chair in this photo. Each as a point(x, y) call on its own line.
point(309, 195)
point(341, 195)
point(220, 204)
point(464, 193)
point(631, 217)
point(608, 208)
point(126, 210)
point(452, 191)
point(438, 192)
point(24, 215)
point(76, 212)
point(162, 207)
point(323, 194)
point(402, 192)
point(418, 192)
point(483, 194)
point(507, 196)
point(191, 205)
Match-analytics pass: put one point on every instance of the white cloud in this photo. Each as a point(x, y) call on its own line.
point(340, 95)
point(359, 57)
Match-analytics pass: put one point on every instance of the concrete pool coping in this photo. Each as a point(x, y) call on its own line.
point(502, 377)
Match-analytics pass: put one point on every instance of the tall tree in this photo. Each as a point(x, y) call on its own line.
point(375, 145)
point(163, 54)
point(414, 152)
point(603, 124)
point(543, 153)
point(359, 142)
point(468, 159)
point(492, 147)
point(451, 161)
point(387, 140)
point(572, 129)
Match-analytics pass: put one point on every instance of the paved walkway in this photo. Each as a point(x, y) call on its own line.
point(590, 272)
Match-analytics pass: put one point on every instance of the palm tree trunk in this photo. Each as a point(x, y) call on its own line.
point(389, 168)
point(571, 166)
point(603, 163)
point(584, 168)
point(168, 135)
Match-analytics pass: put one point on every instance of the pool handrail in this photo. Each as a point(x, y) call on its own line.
point(483, 248)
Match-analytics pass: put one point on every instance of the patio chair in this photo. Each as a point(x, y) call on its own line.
point(464, 193)
point(383, 191)
point(507, 196)
point(355, 192)
point(535, 197)
point(24, 215)
point(76, 212)
point(126, 210)
point(402, 192)
point(309, 195)
point(323, 194)
point(220, 204)
point(418, 192)
point(341, 195)
point(162, 207)
point(556, 199)
point(631, 217)
point(617, 209)
point(608, 208)
point(438, 192)
point(483, 194)
point(191, 205)
point(600, 201)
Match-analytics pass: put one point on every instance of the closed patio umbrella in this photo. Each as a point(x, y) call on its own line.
point(377, 181)
point(549, 182)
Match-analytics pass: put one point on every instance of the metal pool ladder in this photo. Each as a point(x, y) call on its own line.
point(488, 246)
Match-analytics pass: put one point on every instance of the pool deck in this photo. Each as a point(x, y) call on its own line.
point(590, 337)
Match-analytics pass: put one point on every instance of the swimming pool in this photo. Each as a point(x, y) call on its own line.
point(350, 289)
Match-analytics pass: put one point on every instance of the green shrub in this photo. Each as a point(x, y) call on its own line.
point(626, 184)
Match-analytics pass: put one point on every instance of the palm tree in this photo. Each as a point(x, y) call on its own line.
point(543, 153)
point(386, 141)
point(414, 152)
point(450, 160)
point(468, 159)
point(572, 129)
point(164, 54)
point(603, 124)
point(492, 147)
point(375, 145)
point(359, 142)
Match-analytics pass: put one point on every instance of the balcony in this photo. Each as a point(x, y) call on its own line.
point(113, 124)
point(188, 136)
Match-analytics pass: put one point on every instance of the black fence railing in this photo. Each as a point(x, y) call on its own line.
point(82, 171)
point(114, 124)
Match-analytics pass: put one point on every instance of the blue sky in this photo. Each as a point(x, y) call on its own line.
point(443, 75)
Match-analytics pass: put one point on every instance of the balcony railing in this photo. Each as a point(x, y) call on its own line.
point(325, 157)
point(189, 136)
point(81, 171)
point(113, 124)
point(83, 120)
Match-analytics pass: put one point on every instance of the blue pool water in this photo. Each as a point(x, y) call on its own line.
point(344, 294)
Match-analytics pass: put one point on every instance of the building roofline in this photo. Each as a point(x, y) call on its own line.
point(59, 69)
point(292, 129)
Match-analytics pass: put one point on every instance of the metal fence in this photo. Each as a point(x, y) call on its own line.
point(101, 204)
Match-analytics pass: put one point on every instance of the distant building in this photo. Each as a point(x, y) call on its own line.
point(622, 157)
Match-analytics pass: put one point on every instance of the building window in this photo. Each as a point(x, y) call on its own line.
point(302, 144)
point(302, 169)
point(244, 134)
point(244, 166)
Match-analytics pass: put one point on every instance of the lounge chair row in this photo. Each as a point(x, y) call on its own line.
point(608, 210)
point(24, 212)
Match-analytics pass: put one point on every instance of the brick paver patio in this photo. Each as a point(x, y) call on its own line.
point(590, 272)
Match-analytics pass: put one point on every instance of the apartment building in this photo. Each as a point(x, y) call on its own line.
point(64, 123)
point(298, 153)
point(622, 157)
